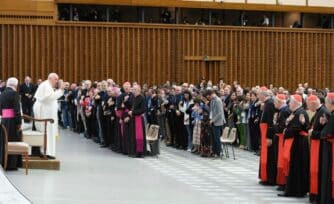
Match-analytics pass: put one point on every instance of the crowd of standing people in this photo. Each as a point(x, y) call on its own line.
point(292, 133)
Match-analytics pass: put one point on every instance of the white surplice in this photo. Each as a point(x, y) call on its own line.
point(46, 106)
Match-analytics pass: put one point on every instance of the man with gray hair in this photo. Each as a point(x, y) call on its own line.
point(296, 150)
point(26, 91)
point(268, 157)
point(327, 165)
point(11, 118)
point(46, 106)
point(316, 147)
point(135, 119)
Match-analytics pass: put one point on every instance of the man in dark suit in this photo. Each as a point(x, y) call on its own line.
point(27, 90)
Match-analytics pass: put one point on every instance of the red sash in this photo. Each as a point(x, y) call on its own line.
point(280, 179)
point(139, 134)
point(332, 141)
point(287, 151)
point(264, 152)
point(314, 166)
point(8, 113)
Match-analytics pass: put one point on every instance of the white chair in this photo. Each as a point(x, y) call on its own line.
point(152, 138)
point(228, 139)
point(15, 148)
point(152, 133)
point(224, 136)
point(35, 138)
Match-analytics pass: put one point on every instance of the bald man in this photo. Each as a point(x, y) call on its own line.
point(46, 106)
point(27, 90)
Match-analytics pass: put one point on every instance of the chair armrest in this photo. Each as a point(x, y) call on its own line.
point(26, 117)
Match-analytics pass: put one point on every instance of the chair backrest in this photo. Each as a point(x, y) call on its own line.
point(225, 132)
point(4, 134)
point(147, 126)
point(233, 135)
point(152, 133)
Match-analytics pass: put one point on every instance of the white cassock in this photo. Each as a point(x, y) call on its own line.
point(46, 106)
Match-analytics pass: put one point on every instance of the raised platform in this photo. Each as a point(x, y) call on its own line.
point(40, 163)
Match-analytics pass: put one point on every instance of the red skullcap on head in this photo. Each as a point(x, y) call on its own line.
point(312, 98)
point(298, 98)
point(281, 97)
point(330, 95)
point(263, 88)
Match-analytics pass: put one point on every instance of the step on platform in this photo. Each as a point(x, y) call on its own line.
point(40, 163)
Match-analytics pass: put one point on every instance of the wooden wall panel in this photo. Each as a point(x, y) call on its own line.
point(154, 54)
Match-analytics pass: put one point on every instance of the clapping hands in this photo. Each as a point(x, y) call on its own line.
point(288, 120)
point(323, 120)
point(302, 119)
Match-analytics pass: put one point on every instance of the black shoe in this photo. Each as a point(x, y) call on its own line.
point(264, 183)
point(282, 195)
point(51, 157)
point(140, 156)
point(280, 188)
point(104, 146)
point(96, 139)
point(86, 135)
point(12, 169)
point(204, 155)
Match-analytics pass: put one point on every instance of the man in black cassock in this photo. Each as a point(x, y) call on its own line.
point(297, 148)
point(181, 134)
point(268, 157)
point(119, 125)
point(110, 122)
point(283, 113)
point(171, 115)
point(11, 118)
point(124, 106)
point(327, 170)
point(135, 119)
point(100, 99)
point(27, 90)
point(321, 114)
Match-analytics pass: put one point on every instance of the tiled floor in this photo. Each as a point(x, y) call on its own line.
point(92, 175)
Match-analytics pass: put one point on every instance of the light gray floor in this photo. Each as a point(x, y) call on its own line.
point(92, 175)
point(8, 193)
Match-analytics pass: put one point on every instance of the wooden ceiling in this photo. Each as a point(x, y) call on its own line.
point(206, 5)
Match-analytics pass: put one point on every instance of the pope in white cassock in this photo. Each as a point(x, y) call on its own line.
point(46, 106)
